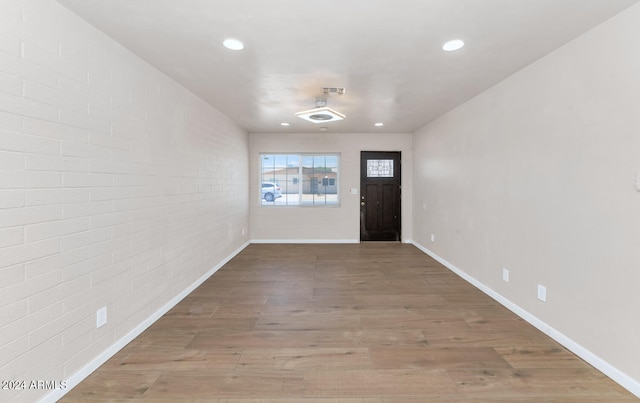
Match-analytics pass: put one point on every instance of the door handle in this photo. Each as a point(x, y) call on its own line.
point(362, 203)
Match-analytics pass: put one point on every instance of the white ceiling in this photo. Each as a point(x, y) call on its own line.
point(387, 53)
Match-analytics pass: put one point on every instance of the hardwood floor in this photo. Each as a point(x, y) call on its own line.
point(367, 323)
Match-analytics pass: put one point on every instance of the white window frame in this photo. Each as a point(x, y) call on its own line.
point(303, 197)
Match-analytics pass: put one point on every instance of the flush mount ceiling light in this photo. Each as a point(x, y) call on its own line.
point(453, 45)
point(233, 44)
point(322, 113)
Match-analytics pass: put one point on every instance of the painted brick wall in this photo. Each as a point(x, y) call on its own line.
point(118, 188)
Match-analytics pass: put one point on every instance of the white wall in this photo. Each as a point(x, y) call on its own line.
point(333, 224)
point(537, 175)
point(118, 188)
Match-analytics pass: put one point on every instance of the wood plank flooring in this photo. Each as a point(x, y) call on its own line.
point(367, 323)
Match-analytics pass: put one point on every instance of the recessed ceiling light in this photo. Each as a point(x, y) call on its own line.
point(379, 124)
point(284, 124)
point(233, 44)
point(453, 45)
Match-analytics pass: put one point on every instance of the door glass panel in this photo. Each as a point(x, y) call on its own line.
point(379, 168)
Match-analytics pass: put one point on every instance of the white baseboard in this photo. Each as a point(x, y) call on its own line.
point(305, 241)
point(76, 378)
point(606, 368)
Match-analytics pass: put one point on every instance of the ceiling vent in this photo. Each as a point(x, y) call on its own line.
point(334, 90)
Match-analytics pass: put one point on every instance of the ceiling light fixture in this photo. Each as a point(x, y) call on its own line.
point(233, 44)
point(453, 45)
point(284, 124)
point(379, 124)
point(322, 113)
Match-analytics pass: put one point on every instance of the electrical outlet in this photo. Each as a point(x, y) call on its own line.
point(638, 182)
point(505, 275)
point(243, 231)
point(433, 237)
point(101, 317)
point(542, 293)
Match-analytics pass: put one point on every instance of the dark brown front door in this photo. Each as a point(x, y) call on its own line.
point(379, 196)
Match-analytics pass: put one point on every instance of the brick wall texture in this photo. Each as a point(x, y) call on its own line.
point(118, 188)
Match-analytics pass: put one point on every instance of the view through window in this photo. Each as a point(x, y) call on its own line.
point(299, 179)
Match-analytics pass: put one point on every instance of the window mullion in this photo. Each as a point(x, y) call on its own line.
point(300, 180)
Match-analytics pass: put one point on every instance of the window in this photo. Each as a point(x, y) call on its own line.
point(299, 179)
point(379, 168)
point(328, 181)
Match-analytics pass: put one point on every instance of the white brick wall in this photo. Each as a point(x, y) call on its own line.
point(118, 188)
